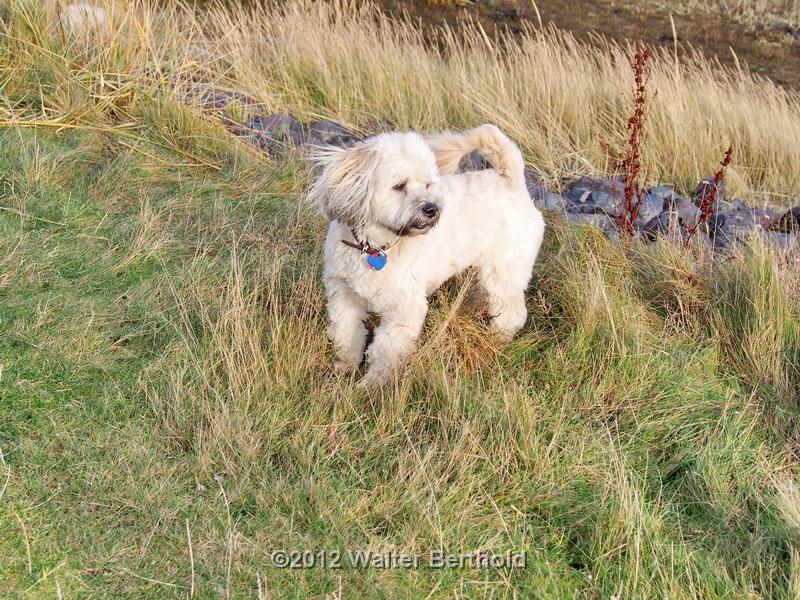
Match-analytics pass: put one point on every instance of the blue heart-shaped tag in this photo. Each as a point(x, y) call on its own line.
point(377, 260)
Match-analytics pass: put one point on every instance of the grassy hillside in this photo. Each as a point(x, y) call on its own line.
point(169, 415)
point(755, 14)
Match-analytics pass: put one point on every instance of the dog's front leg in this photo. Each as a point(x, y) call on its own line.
point(346, 330)
point(395, 338)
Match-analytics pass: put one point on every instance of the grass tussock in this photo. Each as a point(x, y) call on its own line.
point(170, 417)
point(561, 100)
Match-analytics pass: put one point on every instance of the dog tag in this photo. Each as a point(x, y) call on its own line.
point(376, 261)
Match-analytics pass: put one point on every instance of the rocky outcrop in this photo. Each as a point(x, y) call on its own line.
point(663, 212)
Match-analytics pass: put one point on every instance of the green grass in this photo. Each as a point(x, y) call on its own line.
point(170, 417)
point(165, 375)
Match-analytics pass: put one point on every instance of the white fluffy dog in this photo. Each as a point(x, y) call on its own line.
point(403, 222)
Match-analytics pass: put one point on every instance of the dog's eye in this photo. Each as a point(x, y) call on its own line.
point(400, 187)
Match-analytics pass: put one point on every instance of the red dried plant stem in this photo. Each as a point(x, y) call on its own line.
point(632, 164)
point(710, 196)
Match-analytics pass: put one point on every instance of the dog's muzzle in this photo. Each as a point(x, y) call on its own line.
point(425, 219)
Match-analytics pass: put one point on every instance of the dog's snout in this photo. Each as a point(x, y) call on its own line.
point(430, 210)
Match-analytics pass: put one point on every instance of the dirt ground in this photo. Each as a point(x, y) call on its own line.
point(774, 53)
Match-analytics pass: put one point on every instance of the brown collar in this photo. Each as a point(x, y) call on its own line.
point(365, 247)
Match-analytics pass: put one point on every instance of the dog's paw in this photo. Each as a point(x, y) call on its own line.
point(501, 336)
point(344, 367)
point(373, 379)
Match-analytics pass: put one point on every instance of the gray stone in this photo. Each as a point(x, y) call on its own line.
point(735, 227)
point(664, 198)
point(279, 127)
point(788, 222)
point(687, 212)
point(599, 221)
point(549, 201)
point(723, 207)
point(664, 193)
point(603, 196)
point(331, 133)
point(614, 185)
point(763, 216)
point(700, 241)
point(670, 225)
point(705, 187)
point(581, 200)
point(666, 224)
point(543, 198)
point(533, 179)
point(651, 206)
point(274, 134)
point(739, 204)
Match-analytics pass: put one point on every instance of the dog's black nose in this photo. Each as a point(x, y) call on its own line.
point(430, 210)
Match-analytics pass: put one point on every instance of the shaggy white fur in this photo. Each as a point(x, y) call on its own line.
point(400, 192)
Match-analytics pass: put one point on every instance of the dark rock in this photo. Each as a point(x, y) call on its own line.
point(687, 212)
point(735, 227)
point(664, 193)
point(279, 127)
point(544, 199)
point(651, 206)
point(331, 133)
point(788, 222)
point(533, 179)
point(600, 221)
point(705, 187)
point(670, 225)
point(665, 224)
point(607, 196)
point(584, 201)
point(611, 186)
point(674, 201)
point(595, 196)
point(763, 216)
point(592, 201)
point(664, 198)
point(274, 134)
point(700, 241)
point(739, 204)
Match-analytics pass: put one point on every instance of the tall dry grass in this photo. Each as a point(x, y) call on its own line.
point(566, 103)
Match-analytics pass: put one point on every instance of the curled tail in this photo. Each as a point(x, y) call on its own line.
point(499, 150)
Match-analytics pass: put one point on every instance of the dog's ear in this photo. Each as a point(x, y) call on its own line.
point(343, 189)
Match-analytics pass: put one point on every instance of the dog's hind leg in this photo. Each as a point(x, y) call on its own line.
point(506, 271)
point(505, 286)
point(346, 330)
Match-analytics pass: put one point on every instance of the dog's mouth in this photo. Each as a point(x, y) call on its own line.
point(419, 226)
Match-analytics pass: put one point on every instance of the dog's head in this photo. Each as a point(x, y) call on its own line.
point(390, 180)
